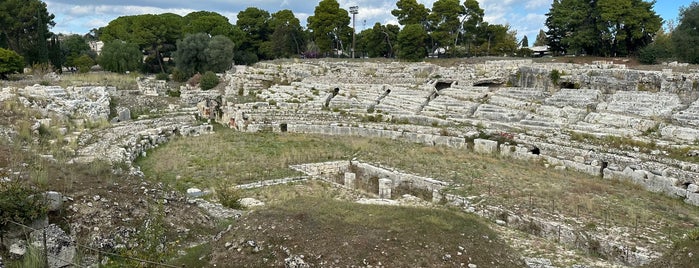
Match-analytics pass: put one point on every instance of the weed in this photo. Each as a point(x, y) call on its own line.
point(555, 76)
point(228, 196)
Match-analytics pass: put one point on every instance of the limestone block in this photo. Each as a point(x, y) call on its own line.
point(693, 188)
point(485, 146)
point(385, 186)
point(436, 196)
point(54, 200)
point(195, 192)
point(60, 247)
point(350, 179)
point(692, 198)
point(124, 114)
point(250, 202)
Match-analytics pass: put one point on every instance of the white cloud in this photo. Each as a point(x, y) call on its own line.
point(538, 4)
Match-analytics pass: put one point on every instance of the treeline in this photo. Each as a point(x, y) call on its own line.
point(169, 42)
point(206, 41)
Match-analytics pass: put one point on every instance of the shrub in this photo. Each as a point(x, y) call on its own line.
point(10, 62)
point(84, 63)
point(174, 93)
point(555, 76)
point(228, 196)
point(208, 81)
point(162, 76)
point(178, 75)
point(19, 203)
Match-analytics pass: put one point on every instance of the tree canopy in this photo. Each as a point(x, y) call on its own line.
point(155, 34)
point(119, 56)
point(330, 26)
point(685, 38)
point(24, 28)
point(199, 53)
point(601, 28)
point(411, 41)
point(410, 12)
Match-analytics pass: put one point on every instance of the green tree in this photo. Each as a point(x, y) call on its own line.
point(411, 43)
point(627, 25)
point(24, 28)
point(540, 39)
point(254, 22)
point(330, 26)
point(198, 53)
point(525, 41)
point(10, 62)
point(410, 12)
point(190, 57)
point(287, 36)
point(601, 27)
point(685, 38)
point(472, 20)
point(56, 56)
point(219, 54)
point(571, 25)
point(503, 40)
point(208, 22)
point(73, 47)
point(84, 63)
point(379, 40)
point(120, 57)
point(155, 34)
point(444, 21)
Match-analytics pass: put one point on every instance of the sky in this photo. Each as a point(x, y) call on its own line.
point(525, 16)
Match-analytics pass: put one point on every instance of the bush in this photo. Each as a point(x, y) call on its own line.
point(10, 62)
point(84, 63)
point(19, 203)
point(162, 76)
point(178, 75)
point(555, 76)
point(209, 80)
point(174, 93)
point(648, 55)
point(228, 196)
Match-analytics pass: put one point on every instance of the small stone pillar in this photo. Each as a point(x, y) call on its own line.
point(436, 196)
point(349, 179)
point(385, 188)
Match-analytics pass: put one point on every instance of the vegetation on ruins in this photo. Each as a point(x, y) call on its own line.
point(19, 202)
point(209, 80)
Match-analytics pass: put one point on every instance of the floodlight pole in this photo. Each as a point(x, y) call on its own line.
point(354, 10)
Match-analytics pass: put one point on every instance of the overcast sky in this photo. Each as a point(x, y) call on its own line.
point(525, 16)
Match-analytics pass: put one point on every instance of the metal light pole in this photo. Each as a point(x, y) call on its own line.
point(354, 10)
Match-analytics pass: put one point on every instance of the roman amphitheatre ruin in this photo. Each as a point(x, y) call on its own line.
point(498, 163)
